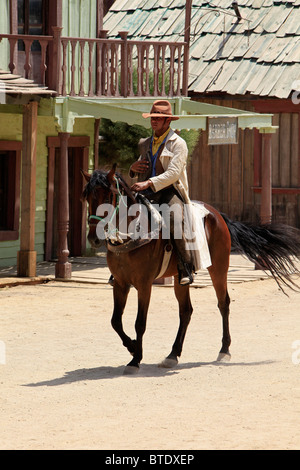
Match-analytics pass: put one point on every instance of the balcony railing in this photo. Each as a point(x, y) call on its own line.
point(26, 62)
point(101, 67)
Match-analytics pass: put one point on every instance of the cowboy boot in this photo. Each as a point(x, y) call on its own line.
point(185, 274)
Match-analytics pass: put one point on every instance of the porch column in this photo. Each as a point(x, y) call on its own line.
point(266, 189)
point(63, 269)
point(266, 184)
point(96, 143)
point(26, 263)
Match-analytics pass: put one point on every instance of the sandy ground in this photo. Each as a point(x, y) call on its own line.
point(62, 383)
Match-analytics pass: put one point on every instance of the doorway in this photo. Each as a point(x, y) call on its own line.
point(32, 20)
point(78, 150)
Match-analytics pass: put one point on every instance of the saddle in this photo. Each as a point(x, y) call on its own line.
point(117, 245)
point(122, 243)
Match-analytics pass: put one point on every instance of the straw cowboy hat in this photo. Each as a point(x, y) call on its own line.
point(161, 108)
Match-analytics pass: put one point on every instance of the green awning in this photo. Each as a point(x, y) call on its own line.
point(193, 114)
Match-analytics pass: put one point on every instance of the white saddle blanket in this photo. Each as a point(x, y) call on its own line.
point(195, 234)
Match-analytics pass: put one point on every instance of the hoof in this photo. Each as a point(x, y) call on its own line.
point(224, 357)
point(132, 348)
point(168, 363)
point(131, 370)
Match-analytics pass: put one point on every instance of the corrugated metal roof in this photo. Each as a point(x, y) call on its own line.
point(259, 54)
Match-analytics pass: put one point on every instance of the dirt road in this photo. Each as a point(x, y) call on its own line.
point(61, 373)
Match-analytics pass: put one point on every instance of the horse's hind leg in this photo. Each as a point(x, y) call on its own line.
point(120, 297)
point(219, 281)
point(185, 311)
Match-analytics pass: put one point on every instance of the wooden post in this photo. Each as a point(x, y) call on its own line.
point(63, 268)
point(13, 14)
point(124, 63)
point(103, 64)
point(27, 256)
point(266, 190)
point(96, 143)
point(55, 61)
point(186, 58)
point(100, 15)
point(266, 185)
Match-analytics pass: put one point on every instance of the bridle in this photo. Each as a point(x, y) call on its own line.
point(117, 197)
point(117, 240)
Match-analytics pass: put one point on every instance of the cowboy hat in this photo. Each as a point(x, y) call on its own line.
point(161, 108)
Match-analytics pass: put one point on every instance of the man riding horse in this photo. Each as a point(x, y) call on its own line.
point(162, 177)
point(161, 171)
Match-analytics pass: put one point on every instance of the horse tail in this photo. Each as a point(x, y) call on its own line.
point(274, 247)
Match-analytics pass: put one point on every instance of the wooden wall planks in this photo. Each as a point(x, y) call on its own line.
point(226, 176)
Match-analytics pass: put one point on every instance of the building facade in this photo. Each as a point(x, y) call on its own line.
point(61, 71)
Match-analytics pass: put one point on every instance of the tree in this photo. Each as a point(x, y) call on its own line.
point(119, 143)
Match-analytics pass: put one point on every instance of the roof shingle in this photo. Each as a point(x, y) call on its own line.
point(226, 55)
point(15, 84)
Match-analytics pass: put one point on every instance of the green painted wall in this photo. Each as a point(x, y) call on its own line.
point(11, 129)
point(4, 29)
point(79, 20)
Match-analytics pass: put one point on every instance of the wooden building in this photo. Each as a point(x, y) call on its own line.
point(61, 73)
point(244, 55)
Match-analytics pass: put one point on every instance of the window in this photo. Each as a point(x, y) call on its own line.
point(3, 190)
point(32, 20)
point(10, 157)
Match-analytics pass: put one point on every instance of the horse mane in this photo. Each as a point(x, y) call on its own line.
point(99, 180)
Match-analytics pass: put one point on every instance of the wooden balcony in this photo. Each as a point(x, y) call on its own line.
point(100, 67)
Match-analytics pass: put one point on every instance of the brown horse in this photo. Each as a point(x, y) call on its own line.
point(138, 266)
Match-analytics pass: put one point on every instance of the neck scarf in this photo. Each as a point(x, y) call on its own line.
point(155, 146)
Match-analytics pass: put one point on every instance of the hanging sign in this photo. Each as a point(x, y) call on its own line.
point(222, 130)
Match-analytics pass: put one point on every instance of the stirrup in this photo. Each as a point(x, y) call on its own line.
point(186, 280)
point(185, 275)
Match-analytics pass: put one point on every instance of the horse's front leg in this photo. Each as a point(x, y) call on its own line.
point(140, 326)
point(120, 298)
point(185, 311)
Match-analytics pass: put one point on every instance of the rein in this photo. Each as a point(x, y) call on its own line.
point(119, 197)
point(112, 233)
point(115, 243)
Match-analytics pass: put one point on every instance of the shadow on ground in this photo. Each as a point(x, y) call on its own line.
point(146, 370)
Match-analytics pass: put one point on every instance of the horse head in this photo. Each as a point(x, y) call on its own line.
point(100, 189)
point(108, 198)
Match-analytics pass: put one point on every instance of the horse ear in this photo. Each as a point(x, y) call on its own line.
point(86, 175)
point(111, 173)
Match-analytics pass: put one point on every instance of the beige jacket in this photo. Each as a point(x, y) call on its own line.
point(173, 159)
